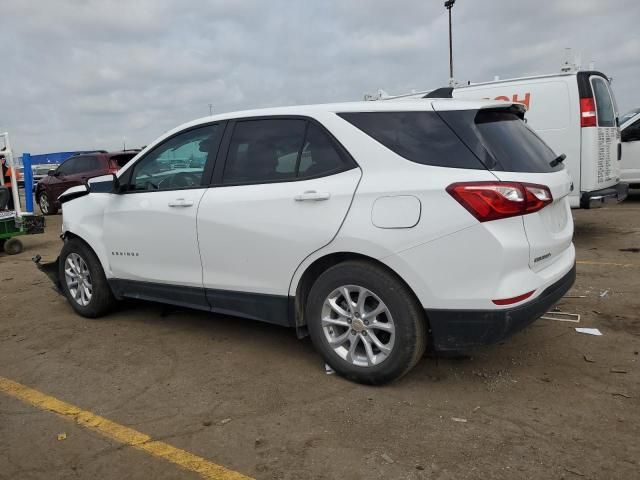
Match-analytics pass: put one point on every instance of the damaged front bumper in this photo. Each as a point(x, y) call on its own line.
point(51, 270)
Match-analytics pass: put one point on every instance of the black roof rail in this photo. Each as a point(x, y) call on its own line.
point(443, 92)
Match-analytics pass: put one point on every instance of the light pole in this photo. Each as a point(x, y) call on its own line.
point(449, 5)
point(210, 109)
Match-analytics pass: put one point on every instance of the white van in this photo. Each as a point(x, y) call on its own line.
point(575, 114)
point(630, 164)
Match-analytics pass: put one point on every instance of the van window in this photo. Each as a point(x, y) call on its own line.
point(604, 105)
point(421, 137)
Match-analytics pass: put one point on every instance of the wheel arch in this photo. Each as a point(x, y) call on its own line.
point(69, 235)
point(320, 265)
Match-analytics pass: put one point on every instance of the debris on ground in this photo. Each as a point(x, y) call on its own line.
point(604, 294)
point(387, 458)
point(328, 370)
point(207, 423)
point(632, 250)
point(588, 359)
point(562, 317)
point(224, 421)
point(575, 471)
point(620, 394)
point(460, 420)
point(589, 331)
point(62, 436)
point(617, 370)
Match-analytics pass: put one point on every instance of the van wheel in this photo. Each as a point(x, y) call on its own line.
point(83, 280)
point(365, 322)
point(46, 207)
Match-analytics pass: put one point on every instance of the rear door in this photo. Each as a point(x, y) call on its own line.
point(283, 193)
point(600, 142)
point(514, 152)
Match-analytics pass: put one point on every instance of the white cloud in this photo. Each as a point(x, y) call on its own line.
point(86, 73)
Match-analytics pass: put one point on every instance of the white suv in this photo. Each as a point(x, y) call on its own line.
point(377, 228)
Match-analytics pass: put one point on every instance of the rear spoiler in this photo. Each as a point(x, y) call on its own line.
point(444, 92)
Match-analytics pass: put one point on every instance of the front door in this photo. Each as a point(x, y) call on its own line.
point(284, 193)
point(150, 228)
point(630, 164)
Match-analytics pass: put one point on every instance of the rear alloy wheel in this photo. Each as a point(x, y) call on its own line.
point(358, 326)
point(83, 280)
point(365, 322)
point(45, 206)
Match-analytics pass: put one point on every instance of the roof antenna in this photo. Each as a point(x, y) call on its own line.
point(448, 4)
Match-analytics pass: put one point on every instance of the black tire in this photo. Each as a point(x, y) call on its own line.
point(102, 299)
point(13, 246)
point(408, 317)
point(50, 208)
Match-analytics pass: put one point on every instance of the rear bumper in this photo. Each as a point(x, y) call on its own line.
point(457, 330)
point(600, 198)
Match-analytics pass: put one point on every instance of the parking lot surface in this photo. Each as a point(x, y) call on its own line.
point(547, 403)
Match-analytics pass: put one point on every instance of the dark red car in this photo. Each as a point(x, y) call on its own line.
point(74, 171)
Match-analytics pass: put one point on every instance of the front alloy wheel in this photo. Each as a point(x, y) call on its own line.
point(78, 279)
point(44, 204)
point(358, 325)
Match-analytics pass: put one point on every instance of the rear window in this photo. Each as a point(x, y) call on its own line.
point(514, 146)
point(420, 137)
point(604, 104)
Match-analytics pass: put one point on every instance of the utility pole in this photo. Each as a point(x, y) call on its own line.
point(210, 109)
point(448, 4)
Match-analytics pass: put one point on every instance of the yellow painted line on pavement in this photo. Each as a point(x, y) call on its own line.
point(607, 264)
point(120, 433)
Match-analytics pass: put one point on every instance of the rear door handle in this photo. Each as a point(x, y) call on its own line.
point(312, 196)
point(181, 202)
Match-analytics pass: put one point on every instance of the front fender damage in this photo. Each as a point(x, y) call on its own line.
point(51, 270)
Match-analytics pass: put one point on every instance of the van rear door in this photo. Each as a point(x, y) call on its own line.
point(600, 133)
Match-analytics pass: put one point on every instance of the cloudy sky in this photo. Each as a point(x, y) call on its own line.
point(81, 74)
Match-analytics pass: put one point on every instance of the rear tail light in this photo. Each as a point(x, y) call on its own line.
point(588, 116)
point(495, 200)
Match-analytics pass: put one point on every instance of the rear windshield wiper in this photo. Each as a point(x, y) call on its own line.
point(558, 160)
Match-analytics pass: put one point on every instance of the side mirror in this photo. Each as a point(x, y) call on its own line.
point(103, 184)
point(51, 173)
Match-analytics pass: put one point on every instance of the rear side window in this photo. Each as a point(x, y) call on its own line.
point(604, 105)
point(514, 146)
point(88, 164)
point(279, 150)
point(420, 137)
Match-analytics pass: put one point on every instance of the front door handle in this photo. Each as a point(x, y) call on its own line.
point(312, 196)
point(181, 202)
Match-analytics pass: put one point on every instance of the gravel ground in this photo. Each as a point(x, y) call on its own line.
point(547, 403)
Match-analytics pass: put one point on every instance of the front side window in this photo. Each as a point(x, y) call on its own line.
point(70, 166)
point(176, 163)
point(277, 150)
point(604, 104)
